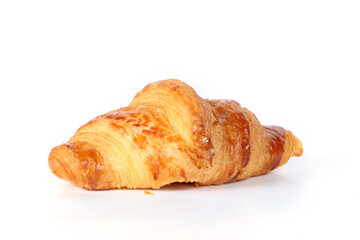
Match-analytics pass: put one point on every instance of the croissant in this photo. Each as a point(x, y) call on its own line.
point(170, 134)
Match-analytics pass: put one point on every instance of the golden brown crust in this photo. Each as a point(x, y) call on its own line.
point(169, 134)
point(235, 129)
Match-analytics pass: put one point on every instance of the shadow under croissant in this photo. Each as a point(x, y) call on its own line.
point(263, 181)
point(270, 179)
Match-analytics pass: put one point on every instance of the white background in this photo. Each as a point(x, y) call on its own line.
point(293, 63)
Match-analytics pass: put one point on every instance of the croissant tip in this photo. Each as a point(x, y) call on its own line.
point(56, 165)
point(299, 150)
point(58, 161)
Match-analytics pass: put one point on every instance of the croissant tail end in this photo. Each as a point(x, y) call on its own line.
point(298, 150)
point(61, 165)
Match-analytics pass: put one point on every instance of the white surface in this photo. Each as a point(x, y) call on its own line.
point(293, 64)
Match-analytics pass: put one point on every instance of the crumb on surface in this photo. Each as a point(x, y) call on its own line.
point(149, 193)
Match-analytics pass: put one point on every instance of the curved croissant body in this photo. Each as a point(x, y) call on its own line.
point(169, 134)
